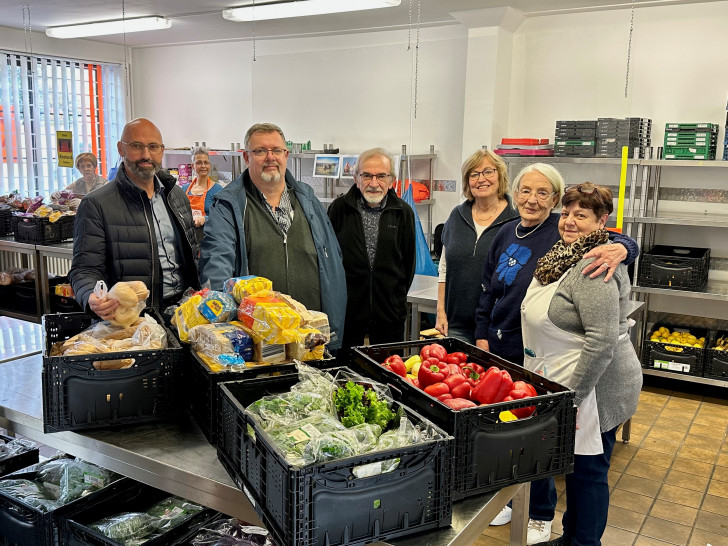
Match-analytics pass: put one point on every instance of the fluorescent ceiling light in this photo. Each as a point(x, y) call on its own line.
point(301, 8)
point(118, 26)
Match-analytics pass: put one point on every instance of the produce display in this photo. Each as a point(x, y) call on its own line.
point(134, 528)
point(460, 384)
point(676, 337)
point(323, 418)
point(231, 532)
point(57, 482)
point(14, 447)
point(62, 203)
point(14, 275)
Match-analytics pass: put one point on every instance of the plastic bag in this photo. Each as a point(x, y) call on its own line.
point(132, 297)
point(241, 287)
point(172, 511)
point(15, 447)
point(127, 526)
point(231, 532)
point(309, 345)
point(248, 304)
point(218, 306)
point(216, 339)
point(424, 264)
point(187, 316)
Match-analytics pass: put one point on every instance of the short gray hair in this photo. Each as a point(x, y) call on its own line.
point(263, 128)
point(200, 150)
point(549, 171)
point(375, 152)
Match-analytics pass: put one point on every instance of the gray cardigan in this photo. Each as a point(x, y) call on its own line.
point(597, 310)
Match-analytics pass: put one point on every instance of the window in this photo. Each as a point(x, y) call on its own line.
point(42, 95)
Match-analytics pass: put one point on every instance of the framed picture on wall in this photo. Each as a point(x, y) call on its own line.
point(326, 166)
point(348, 164)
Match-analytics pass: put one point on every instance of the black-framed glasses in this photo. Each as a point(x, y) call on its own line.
point(475, 175)
point(586, 190)
point(368, 177)
point(263, 152)
point(154, 148)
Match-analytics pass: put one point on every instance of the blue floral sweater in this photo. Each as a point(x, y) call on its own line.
point(506, 276)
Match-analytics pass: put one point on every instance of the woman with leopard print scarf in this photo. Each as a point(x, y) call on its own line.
point(575, 332)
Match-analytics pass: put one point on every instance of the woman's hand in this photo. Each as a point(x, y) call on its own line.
point(607, 258)
point(441, 323)
point(104, 307)
point(482, 344)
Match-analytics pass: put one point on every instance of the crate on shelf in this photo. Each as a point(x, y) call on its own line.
point(77, 396)
point(32, 229)
point(202, 385)
point(135, 497)
point(325, 503)
point(672, 357)
point(22, 524)
point(489, 454)
point(682, 268)
point(6, 224)
point(22, 459)
point(716, 360)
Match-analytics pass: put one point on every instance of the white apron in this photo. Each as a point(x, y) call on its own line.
point(554, 353)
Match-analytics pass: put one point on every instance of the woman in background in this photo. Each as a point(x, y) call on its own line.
point(201, 190)
point(86, 163)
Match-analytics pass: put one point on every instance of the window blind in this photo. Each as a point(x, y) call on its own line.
point(40, 96)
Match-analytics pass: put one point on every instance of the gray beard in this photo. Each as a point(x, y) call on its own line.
point(270, 177)
point(143, 174)
point(373, 199)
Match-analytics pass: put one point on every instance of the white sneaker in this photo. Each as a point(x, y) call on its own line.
point(538, 531)
point(502, 518)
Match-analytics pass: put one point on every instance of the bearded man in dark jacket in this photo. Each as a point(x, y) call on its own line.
point(138, 227)
point(376, 232)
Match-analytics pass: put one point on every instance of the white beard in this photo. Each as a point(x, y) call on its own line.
point(270, 177)
point(373, 198)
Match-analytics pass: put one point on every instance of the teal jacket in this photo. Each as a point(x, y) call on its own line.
point(224, 253)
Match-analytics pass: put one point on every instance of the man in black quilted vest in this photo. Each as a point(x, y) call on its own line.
point(137, 227)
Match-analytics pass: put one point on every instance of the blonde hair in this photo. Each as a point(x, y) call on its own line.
point(471, 163)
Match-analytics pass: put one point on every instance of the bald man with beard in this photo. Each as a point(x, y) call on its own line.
point(138, 227)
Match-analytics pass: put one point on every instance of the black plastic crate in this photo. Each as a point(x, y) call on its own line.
point(489, 454)
point(202, 386)
point(137, 497)
point(24, 525)
point(324, 503)
point(6, 225)
point(716, 361)
point(77, 396)
point(19, 461)
point(31, 229)
point(67, 222)
point(671, 357)
point(681, 268)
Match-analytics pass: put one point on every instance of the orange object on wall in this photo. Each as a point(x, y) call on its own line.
point(419, 190)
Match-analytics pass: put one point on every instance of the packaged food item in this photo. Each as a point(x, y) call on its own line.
point(217, 306)
point(248, 304)
point(309, 345)
point(216, 339)
point(275, 322)
point(132, 297)
point(187, 316)
point(240, 287)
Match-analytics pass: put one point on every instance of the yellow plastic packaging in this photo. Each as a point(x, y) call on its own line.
point(186, 316)
point(276, 323)
point(309, 345)
point(247, 287)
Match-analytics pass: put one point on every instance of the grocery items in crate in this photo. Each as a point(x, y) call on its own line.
point(231, 531)
point(721, 344)
point(139, 527)
point(132, 297)
point(15, 275)
point(145, 333)
point(460, 384)
point(16, 453)
point(65, 200)
point(64, 289)
point(326, 418)
point(677, 337)
point(692, 141)
point(225, 343)
point(518, 147)
point(675, 348)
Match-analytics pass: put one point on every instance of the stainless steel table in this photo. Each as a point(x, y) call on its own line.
point(175, 457)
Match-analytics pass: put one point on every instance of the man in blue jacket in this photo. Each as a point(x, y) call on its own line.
point(268, 224)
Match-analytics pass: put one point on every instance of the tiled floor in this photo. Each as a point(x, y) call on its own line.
point(669, 484)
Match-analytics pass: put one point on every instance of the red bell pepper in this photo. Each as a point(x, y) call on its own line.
point(425, 352)
point(396, 364)
point(454, 379)
point(520, 412)
point(461, 391)
point(487, 388)
point(523, 386)
point(452, 359)
point(443, 397)
point(459, 403)
point(462, 357)
point(438, 350)
point(477, 368)
point(506, 386)
point(455, 369)
point(431, 372)
point(437, 389)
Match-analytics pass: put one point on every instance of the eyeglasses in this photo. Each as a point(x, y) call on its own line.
point(541, 195)
point(202, 163)
point(368, 177)
point(586, 190)
point(263, 152)
point(475, 175)
point(153, 148)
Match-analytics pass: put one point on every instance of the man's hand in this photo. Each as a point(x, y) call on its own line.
point(199, 220)
point(104, 307)
point(482, 344)
point(441, 323)
point(607, 258)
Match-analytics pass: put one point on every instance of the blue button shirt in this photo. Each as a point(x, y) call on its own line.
point(167, 245)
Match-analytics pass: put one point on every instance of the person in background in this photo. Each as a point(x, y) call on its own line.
point(201, 190)
point(268, 224)
point(466, 240)
point(575, 332)
point(138, 227)
point(508, 271)
point(376, 233)
point(86, 163)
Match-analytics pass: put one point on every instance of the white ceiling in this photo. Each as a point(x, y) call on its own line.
point(201, 21)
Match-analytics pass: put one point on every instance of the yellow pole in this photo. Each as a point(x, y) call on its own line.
point(622, 188)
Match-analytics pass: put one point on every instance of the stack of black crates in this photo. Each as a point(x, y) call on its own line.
point(575, 138)
point(613, 134)
point(696, 141)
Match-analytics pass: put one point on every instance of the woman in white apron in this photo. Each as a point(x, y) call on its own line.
point(575, 332)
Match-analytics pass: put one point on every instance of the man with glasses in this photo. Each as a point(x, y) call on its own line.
point(376, 232)
point(268, 224)
point(138, 227)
